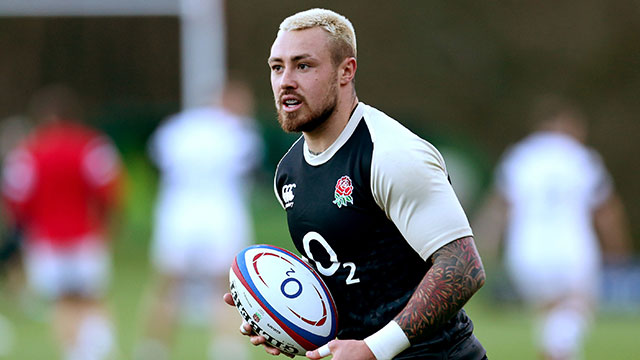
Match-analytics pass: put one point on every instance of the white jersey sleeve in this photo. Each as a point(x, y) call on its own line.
point(409, 181)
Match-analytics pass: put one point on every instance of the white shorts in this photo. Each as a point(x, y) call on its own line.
point(199, 234)
point(199, 248)
point(195, 253)
point(82, 270)
point(540, 281)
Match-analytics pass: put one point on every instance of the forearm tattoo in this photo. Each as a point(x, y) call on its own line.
point(456, 274)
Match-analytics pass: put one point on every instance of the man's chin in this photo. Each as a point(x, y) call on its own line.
point(299, 121)
point(287, 121)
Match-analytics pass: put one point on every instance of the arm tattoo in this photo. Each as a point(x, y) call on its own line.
point(455, 275)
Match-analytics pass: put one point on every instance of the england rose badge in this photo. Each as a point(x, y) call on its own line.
point(342, 194)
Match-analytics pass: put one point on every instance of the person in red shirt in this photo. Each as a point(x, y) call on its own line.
point(59, 185)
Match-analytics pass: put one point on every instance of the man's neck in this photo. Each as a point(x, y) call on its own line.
point(322, 137)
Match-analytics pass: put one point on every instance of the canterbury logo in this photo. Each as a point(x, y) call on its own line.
point(287, 195)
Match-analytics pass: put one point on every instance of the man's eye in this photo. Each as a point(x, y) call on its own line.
point(303, 66)
point(276, 67)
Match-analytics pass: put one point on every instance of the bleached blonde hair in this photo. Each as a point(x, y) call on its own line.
point(341, 33)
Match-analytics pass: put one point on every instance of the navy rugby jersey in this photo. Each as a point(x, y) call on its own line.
point(367, 214)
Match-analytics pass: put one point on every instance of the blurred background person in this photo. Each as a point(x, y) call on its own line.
point(12, 130)
point(205, 156)
point(60, 185)
point(557, 204)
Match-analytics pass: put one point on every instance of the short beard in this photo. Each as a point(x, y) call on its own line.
point(292, 122)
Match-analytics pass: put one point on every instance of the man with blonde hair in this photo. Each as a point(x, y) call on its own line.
point(369, 205)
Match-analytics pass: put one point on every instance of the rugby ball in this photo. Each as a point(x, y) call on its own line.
point(283, 299)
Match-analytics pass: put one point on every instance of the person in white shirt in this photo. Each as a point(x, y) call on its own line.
point(560, 211)
point(205, 157)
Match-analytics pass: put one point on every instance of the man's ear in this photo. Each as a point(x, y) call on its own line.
point(347, 70)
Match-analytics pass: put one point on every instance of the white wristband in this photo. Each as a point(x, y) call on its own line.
point(388, 341)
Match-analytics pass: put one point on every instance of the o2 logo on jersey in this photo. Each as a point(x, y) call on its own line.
point(333, 257)
point(287, 195)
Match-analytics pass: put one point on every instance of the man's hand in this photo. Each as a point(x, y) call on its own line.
point(247, 330)
point(343, 350)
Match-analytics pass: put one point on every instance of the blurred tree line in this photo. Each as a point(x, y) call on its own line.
point(462, 74)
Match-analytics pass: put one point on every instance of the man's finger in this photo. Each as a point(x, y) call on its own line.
point(243, 330)
point(271, 350)
point(228, 299)
point(324, 350)
point(258, 340)
point(319, 353)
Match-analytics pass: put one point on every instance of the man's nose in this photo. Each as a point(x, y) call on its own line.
point(288, 80)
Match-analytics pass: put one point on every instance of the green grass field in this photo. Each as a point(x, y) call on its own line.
point(504, 329)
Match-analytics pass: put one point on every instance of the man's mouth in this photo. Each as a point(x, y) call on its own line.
point(290, 104)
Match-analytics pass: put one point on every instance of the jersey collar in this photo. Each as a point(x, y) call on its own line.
point(354, 120)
